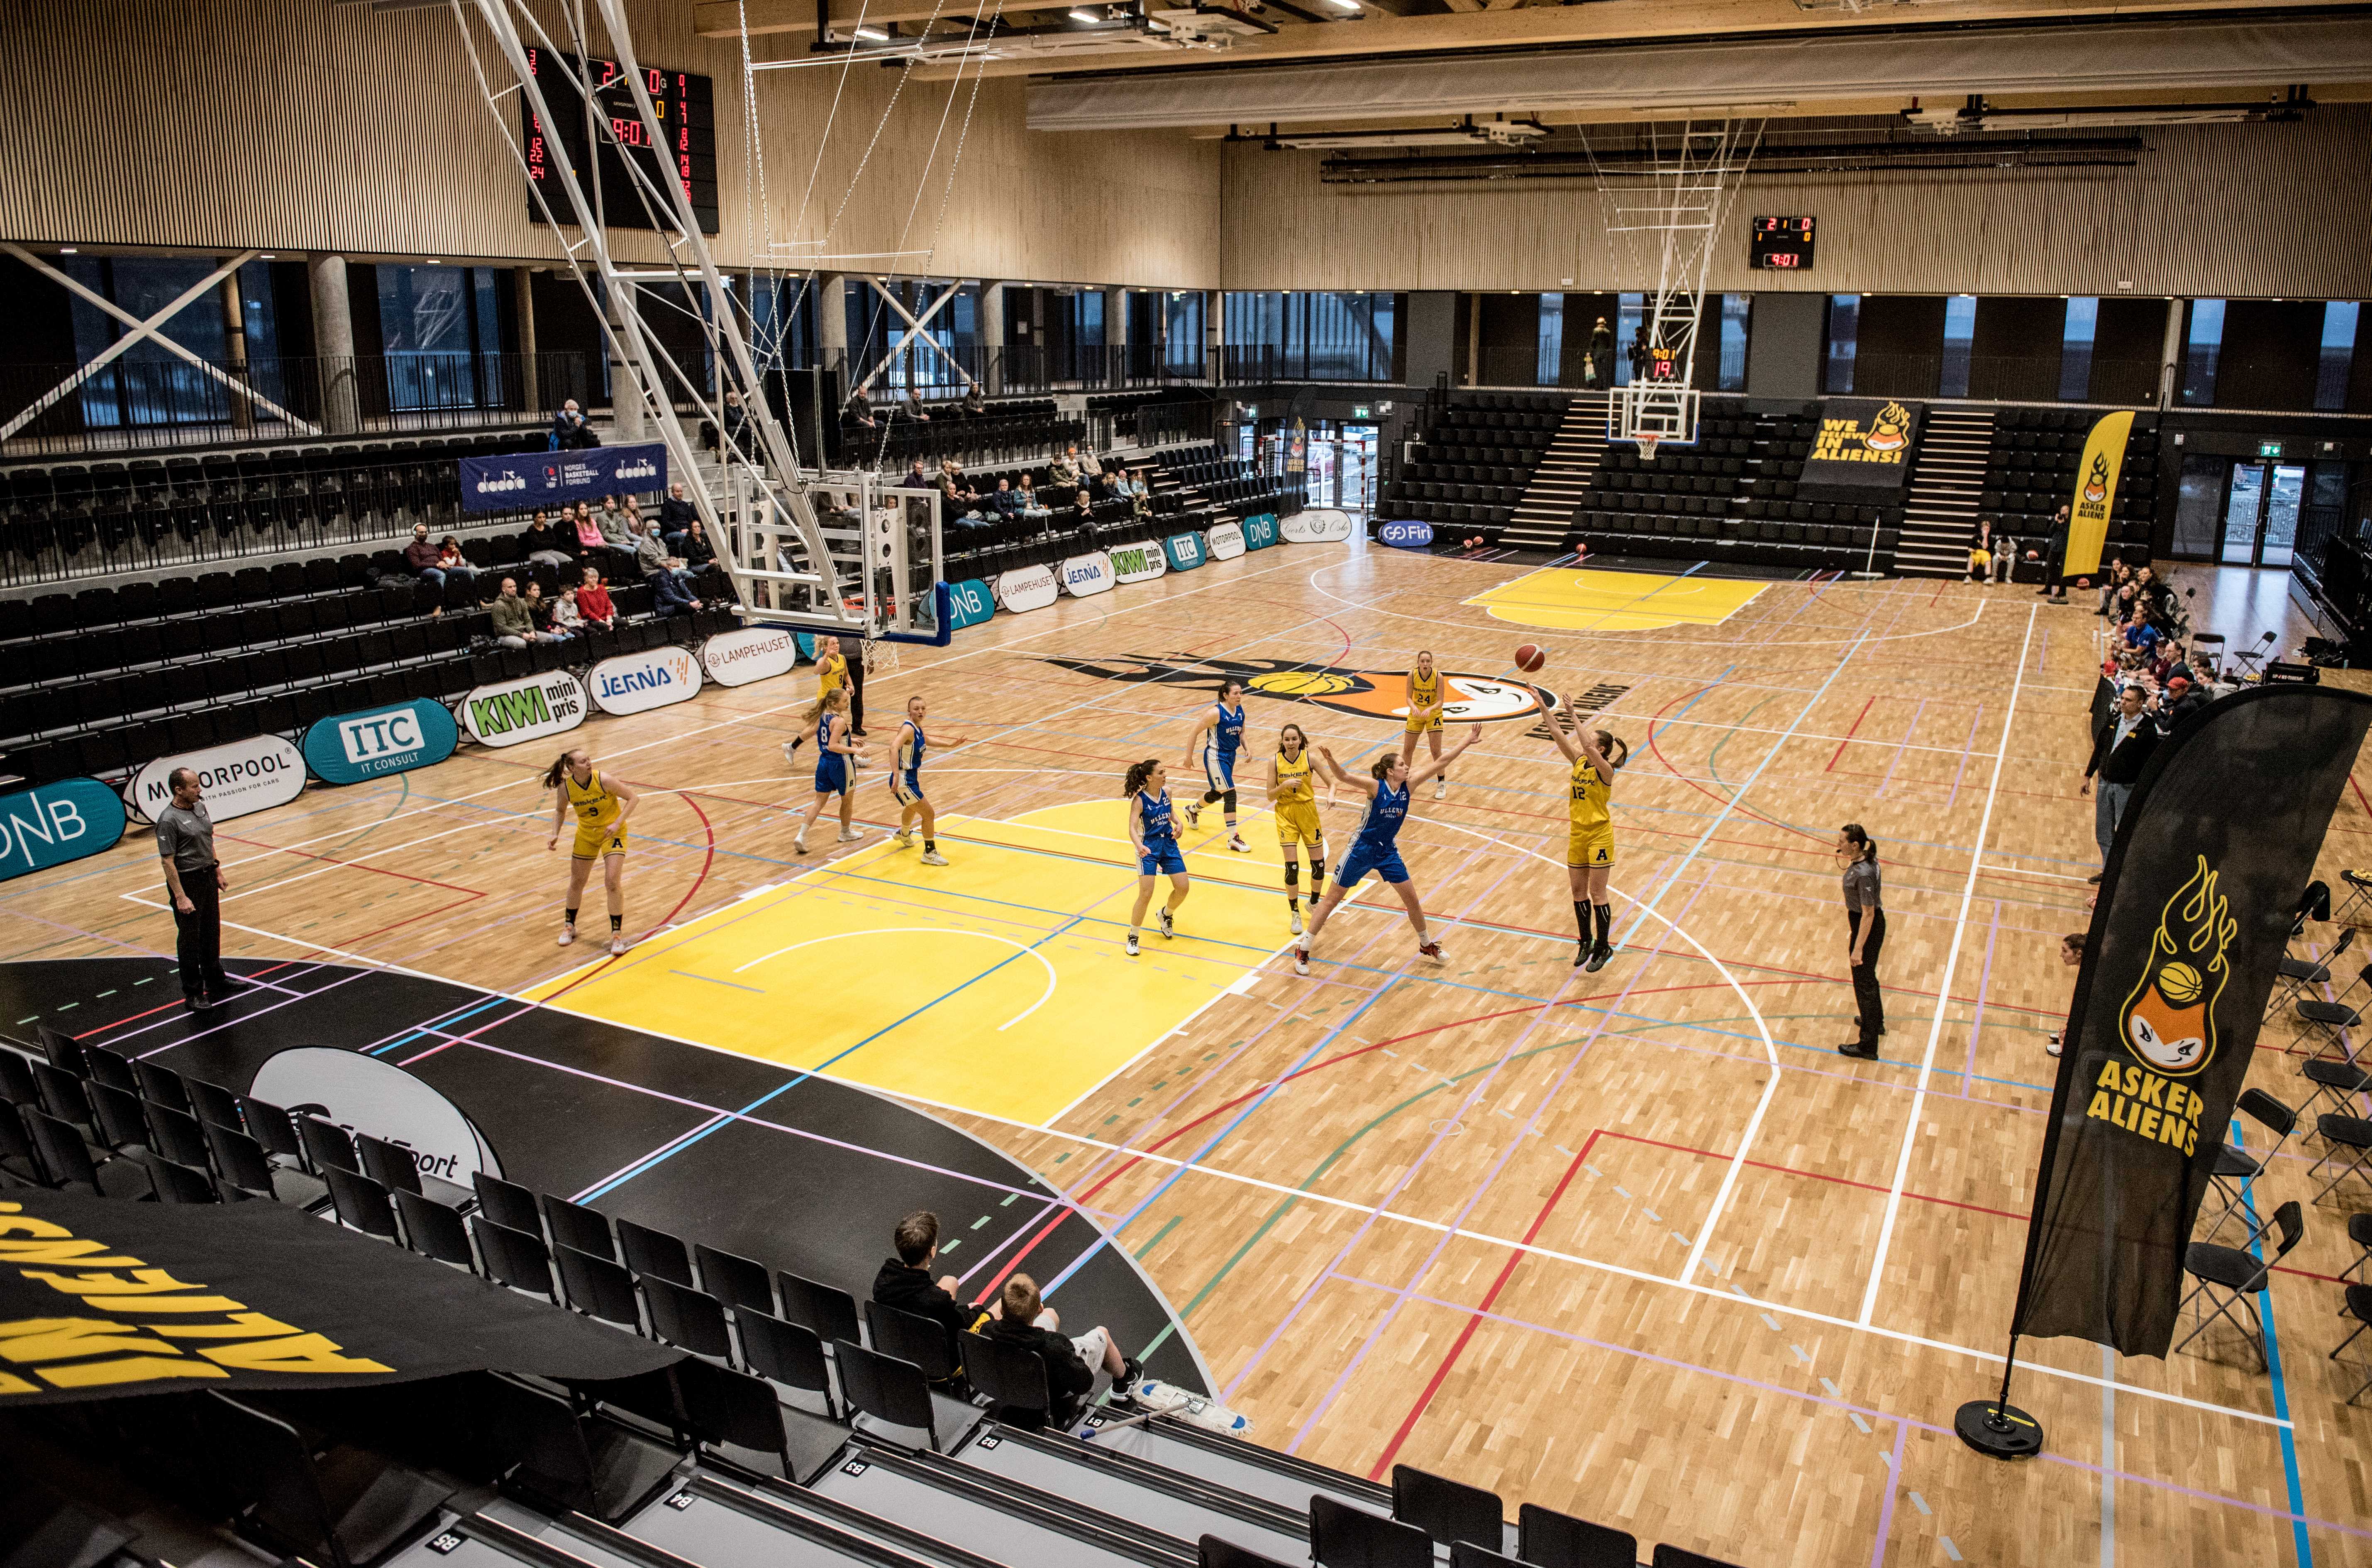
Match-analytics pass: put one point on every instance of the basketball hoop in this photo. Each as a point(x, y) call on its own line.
point(1647, 448)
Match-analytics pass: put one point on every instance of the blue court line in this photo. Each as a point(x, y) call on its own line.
point(668, 1151)
point(712, 980)
point(442, 1022)
point(2302, 1543)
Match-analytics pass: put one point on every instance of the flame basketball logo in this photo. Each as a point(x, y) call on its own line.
point(1368, 693)
point(2095, 483)
point(1890, 430)
point(2170, 1018)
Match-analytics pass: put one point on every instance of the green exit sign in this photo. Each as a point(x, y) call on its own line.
point(1359, 410)
point(2269, 448)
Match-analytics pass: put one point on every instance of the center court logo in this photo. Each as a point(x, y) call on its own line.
point(1370, 693)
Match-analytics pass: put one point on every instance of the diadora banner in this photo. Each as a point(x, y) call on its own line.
point(1407, 536)
point(513, 711)
point(635, 683)
point(241, 778)
point(1185, 552)
point(1031, 588)
point(1318, 528)
point(1088, 574)
point(351, 748)
point(1138, 562)
point(1227, 541)
point(541, 479)
point(754, 653)
point(970, 603)
point(1260, 530)
point(67, 820)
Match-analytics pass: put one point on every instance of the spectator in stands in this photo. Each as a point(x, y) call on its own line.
point(737, 416)
point(421, 558)
point(2116, 575)
point(951, 469)
point(956, 503)
point(2139, 633)
point(2183, 698)
point(2054, 562)
point(2121, 748)
point(650, 551)
point(451, 561)
point(1078, 1370)
point(539, 610)
point(975, 405)
point(1006, 501)
point(913, 408)
point(612, 521)
point(1980, 553)
point(565, 619)
point(514, 618)
point(593, 603)
point(904, 1283)
point(2070, 954)
point(692, 545)
point(1031, 507)
point(1083, 503)
point(671, 589)
point(570, 432)
point(544, 544)
point(1132, 485)
point(860, 409)
point(675, 514)
point(1639, 352)
point(917, 477)
point(587, 531)
point(1062, 474)
point(1599, 369)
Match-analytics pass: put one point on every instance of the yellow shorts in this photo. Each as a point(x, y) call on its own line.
point(1591, 847)
point(1297, 823)
point(594, 841)
point(1420, 726)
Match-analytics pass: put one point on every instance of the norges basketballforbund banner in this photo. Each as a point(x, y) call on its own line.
point(2096, 492)
point(99, 1297)
point(2196, 904)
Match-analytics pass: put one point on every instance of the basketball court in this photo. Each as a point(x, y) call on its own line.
point(1637, 1244)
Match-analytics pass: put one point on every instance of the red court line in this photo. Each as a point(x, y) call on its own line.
point(1849, 733)
point(349, 865)
point(1655, 745)
point(1391, 1450)
point(707, 859)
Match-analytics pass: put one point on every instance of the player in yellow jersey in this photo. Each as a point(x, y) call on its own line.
point(1426, 698)
point(1296, 817)
point(601, 807)
point(1596, 755)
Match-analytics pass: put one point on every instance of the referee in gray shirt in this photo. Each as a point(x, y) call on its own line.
point(185, 840)
point(1865, 920)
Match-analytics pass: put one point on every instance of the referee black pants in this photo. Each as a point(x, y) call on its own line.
point(198, 935)
point(1864, 975)
point(856, 693)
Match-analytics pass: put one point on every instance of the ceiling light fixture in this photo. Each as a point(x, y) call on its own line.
point(1079, 16)
point(873, 35)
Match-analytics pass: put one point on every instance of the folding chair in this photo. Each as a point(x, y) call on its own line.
point(64, 1052)
point(362, 1204)
point(390, 1164)
point(506, 1204)
point(2325, 1021)
point(2337, 1079)
point(1210, 1551)
point(1012, 1376)
point(1670, 1556)
point(513, 1258)
point(2229, 1276)
point(432, 1230)
point(922, 1340)
point(162, 1084)
point(599, 1287)
point(273, 1128)
point(2358, 1305)
point(574, 1224)
point(117, 1117)
point(1344, 1537)
point(66, 1159)
point(2236, 1169)
point(214, 1104)
point(655, 1252)
point(17, 1085)
point(2297, 974)
point(2341, 1133)
point(2359, 892)
point(726, 1408)
point(829, 1313)
point(111, 1067)
point(245, 1167)
point(2244, 662)
point(891, 1392)
point(1447, 1510)
point(327, 1145)
point(735, 1281)
point(176, 1135)
point(1560, 1541)
point(786, 1353)
point(692, 1319)
point(178, 1183)
point(21, 1163)
point(2359, 1231)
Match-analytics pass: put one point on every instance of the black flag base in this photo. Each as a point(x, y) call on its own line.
point(1998, 1431)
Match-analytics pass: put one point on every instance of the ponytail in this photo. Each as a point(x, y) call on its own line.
point(1617, 750)
point(558, 770)
point(1867, 845)
point(1137, 773)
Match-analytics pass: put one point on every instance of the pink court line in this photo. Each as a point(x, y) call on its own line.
point(1985, 983)
point(1904, 746)
point(1893, 1490)
point(1868, 1412)
point(1967, 747)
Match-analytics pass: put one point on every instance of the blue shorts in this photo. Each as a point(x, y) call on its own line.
point(1219, 768)
point(907, 787)
point(1161, 857)
point(1361, 860)
point(831, 773)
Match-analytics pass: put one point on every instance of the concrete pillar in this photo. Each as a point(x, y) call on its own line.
point(530, 378)
point(234, 314)
point(1214, 334)
point(1115, 337)
point(992, 338)
point(628, 423)
point(333, 343)
point(829, 302)
point(2171, 356)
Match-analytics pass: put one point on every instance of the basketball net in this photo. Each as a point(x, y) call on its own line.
point(1646, 448)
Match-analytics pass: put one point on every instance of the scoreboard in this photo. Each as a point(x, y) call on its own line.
point(1785, 244)
point(687, 117)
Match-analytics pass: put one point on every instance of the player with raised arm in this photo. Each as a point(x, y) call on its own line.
point(1376, 848)
point(836, 753)
point(906, 783)
point(1594, 754)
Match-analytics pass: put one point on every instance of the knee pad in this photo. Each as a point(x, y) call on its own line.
point(1317, 870)
point(1209, 796)
point(1230, 798)
point(1292, 873)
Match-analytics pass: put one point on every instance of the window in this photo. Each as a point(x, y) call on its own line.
point(1309, 337)
point(441, 328)
point(2202, 346)
point(1844, 322)
point(1552, 338)
point(1960, 331)
point(1630, 316)
point(1181, 333)
point(2076, 348)
point(1737, 315)
point(2339, 319)
point(146, 384)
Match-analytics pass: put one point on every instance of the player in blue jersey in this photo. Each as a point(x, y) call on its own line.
point(1215, 743)
point(906, 783)
point(1376, 848)
point(837, 755)
point(1154, 830)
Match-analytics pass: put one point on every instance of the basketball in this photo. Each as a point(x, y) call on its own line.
point(1529, 658)
point(2179, 983)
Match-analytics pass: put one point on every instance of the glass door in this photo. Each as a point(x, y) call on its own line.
point(2244, 497)
point(2283, 499)
point(2260, 514)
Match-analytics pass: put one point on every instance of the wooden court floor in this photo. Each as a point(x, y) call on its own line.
point(1637, 1244)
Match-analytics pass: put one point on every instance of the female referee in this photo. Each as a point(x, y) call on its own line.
point(1424, 705)
point(1590, 848)
point(1154, 833)
point(1223, 722)
point(602, 807)
point(1296, 817)
point(906, 783)
point(836, 753)
point(1376, 848)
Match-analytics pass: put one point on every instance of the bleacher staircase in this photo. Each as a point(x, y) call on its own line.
point(1939, 514)
point(1543, 519)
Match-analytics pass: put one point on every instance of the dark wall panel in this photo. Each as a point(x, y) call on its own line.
point(2128, 348)
point(1786, 344)
point(2270, 354)
point(2013, 350)
point(1899, 346)
point(1581, 314)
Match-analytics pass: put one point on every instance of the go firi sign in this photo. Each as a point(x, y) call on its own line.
point(65, 821)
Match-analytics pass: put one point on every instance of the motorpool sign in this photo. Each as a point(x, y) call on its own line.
point(352, 748)
point(1138, 562)
point(511, 712)
point(518, 481)
point(1088, 574)
point(753, 652)
point(1260, 530)
point(65, 821)
point(239, 779)
point(970, 602)
point(1225, 541)
point(635, 683)
point(1031, 588)
point(1407, 536)
point(1185, 552)
point(1322, 526)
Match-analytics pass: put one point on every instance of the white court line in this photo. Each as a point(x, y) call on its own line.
point(1043, 962)
point(1728, 1293)
point(1943, 993)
